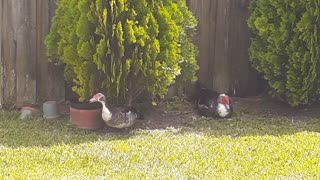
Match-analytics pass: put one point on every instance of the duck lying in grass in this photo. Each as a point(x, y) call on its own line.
point(116, 117)
point(213, 104)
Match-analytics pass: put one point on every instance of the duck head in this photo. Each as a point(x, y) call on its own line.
point(99, 97)
point(224, 108)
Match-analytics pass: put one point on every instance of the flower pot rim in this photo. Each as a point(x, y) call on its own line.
point(85, 105)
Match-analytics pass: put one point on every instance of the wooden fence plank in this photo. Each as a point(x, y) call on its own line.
point(245, 80)
point(205, 37)
point(9, 51)
point(223, 38)
point(27, 76)
point(56, 83)
point(220, 65)
point(239, 43)
point(51, 85)
point(1, 59)
point(26, 51)
point(42, 65)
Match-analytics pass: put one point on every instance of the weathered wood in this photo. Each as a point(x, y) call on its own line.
point(56, 85)
point(221, 62)
point(50, 80)
point(1, 59)
point(205, 34)
point(26, 51)
point(42, 67)
point(27, 77)
point(9, 51)
point(223, 38)
point(244, 80)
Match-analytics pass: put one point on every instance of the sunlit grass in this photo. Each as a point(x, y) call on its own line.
point(248, 146)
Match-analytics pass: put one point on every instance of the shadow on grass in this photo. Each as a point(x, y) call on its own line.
point(16, 133)
point(40, 132)
point(252, 125)
point(252, 117)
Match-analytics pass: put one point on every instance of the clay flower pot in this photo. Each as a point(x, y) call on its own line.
point(86, 115)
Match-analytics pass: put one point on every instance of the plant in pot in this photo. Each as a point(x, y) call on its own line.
point(70, 42)
point(123, 48)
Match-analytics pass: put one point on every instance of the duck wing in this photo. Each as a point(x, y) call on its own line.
point(207, 107)
point(207, 102)
point(206, 94)
point(122, 117)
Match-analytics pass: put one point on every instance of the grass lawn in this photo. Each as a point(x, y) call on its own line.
point(249, 146)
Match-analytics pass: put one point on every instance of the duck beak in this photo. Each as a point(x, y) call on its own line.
point(92, 100)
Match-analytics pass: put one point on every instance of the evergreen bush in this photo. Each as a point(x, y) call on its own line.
point(285, 47)
point(123, 47)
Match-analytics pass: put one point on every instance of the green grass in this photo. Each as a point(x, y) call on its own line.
point(247, 147)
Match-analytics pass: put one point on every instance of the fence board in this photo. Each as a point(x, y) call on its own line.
point(42, 9)
point(223, 39)
point(27, 75)
point(9, 46)
point(243, 77)
point(221, 62)
point(1, 59)
point(50, 84)
point(26, 48)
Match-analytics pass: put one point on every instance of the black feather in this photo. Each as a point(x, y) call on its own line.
point(206, 101)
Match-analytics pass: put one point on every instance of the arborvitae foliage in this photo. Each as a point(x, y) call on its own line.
point(123, 47)
point(286, 47)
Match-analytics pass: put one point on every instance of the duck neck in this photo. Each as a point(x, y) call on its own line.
point(105, 111)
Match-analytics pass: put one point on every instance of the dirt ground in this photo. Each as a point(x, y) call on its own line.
point(179, 112)
point(168, 115)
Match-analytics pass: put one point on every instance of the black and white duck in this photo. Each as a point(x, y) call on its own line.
point(213, 104)
point(116, 117)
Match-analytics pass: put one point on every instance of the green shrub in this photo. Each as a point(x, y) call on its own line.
point(123, 47)
point(285, 47)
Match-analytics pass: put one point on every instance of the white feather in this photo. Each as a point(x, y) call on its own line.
point(223, 110)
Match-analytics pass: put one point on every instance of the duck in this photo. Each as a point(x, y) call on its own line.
point(116, 117)
point(213, 104)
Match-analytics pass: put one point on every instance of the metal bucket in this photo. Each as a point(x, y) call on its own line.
point(50, 110)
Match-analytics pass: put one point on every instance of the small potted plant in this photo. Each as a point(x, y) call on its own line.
point(70, 42)
point(86, 116)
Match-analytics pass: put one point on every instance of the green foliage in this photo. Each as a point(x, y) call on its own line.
point(123, 47)
point(286, 47)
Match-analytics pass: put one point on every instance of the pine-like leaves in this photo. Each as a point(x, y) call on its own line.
point(123, 47)
point(286, 47)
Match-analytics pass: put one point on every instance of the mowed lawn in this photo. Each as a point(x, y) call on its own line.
point(249, 146)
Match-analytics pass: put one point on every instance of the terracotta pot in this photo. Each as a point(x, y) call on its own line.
point(86, 115)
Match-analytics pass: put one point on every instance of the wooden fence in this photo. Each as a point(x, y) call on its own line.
point(27, 77)
point(223, 39)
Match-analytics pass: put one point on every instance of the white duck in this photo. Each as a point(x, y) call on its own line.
point(117, 117)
